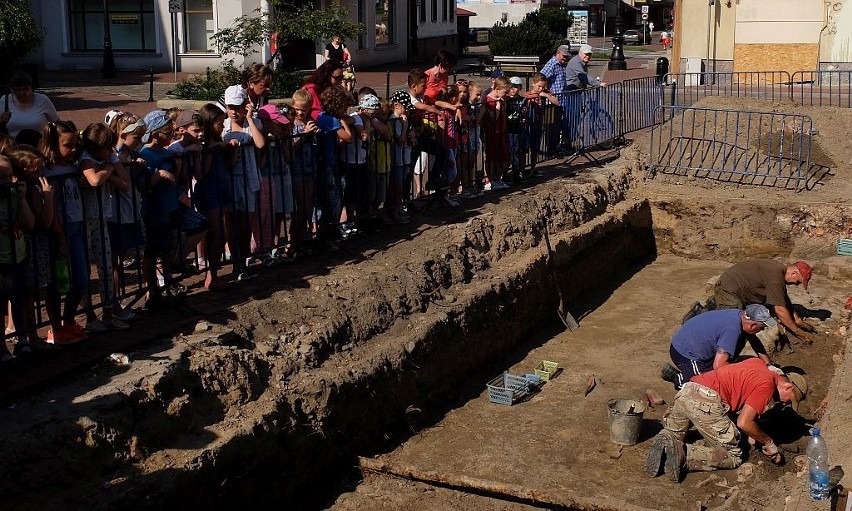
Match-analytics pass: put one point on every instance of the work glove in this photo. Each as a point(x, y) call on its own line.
point(771, 451)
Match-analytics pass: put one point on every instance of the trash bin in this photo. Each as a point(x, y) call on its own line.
point(662, 68)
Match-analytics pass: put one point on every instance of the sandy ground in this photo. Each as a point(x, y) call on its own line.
point(559, 441)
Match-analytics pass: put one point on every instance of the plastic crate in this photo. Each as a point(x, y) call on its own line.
point(533, 379)
point(507, 389)
point(844, 247)
point(546, 369)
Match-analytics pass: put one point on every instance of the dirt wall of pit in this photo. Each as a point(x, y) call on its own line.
point(270, 400)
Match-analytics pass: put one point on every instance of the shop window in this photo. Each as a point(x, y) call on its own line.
point(385, 12)
point(198, 26)
point(131, 24)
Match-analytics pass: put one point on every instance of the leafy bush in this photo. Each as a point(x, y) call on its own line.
point(211, 85)
point(539, 33)
point(19, 35)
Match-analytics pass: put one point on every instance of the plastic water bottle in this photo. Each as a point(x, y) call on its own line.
point(63, 279)
point(818, 466)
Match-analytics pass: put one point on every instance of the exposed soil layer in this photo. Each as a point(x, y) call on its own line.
point(279, 395)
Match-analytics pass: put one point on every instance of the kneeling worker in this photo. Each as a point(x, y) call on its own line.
point(746, 388)
point(714, 339)
point(764, 281)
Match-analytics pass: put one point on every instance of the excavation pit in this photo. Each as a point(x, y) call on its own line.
point(272, 401)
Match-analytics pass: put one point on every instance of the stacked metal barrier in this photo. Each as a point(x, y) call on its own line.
point(734, 146)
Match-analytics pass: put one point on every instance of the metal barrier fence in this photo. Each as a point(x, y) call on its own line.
point(640, 98)
point(686, 89)
point(822, 88)
point(743, 147)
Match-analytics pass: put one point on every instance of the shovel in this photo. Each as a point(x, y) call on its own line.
point(564, 315)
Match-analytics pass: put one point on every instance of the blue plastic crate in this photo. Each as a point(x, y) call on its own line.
point(507, 389)
point(844, 247)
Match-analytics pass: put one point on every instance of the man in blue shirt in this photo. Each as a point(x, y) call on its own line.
point(554, 69)
point(714, 339)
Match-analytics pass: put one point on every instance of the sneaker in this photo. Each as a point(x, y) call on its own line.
point(654, 462)
point(450, 202)
point(489, 186)
point(62, 337)
point(502, 184)
point(5, 356)
point(246, 275)
point(128, 263)
point(96, 326)
point(695, 310)
point(669, 373)
point(117, 324)
point(475, 193)
point(675, 456)
point(125, 315)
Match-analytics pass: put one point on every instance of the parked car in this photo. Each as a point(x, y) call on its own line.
point(632, 37)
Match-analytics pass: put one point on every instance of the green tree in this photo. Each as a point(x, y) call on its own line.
point(539, 33)
point(290, 20)
point(19, 35)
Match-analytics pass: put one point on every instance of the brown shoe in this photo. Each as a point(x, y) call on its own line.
point(675, 455)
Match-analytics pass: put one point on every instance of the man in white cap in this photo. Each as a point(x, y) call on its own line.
point(576, 72)
point(745, 390)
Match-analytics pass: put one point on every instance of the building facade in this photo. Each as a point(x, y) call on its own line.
point(763, 35)
point(169, 34)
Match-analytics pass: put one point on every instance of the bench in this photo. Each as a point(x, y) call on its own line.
point(526, 65)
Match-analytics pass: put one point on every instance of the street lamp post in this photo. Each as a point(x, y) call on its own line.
point(616, 59)
point(108, 67)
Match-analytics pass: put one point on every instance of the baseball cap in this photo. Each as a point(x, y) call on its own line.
point(154, 120)
point(585, 48)
point(497, 73)
point(272, 113)
point(759, 313)
point(235, 95)
point(187, 117)
point(111, 115)
point(516, 80)
point(564, 49)
point(800, 389)
point(369, 101)
point(805, 271)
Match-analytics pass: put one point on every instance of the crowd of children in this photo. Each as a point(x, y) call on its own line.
point(240, 180)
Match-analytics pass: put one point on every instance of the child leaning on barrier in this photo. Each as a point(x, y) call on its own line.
point(187, 150)
point(60, 144)
point(495, 134)
point(422, 123)
point(471, 140)
point(125, 225)
point(276, 190)
point(379, 158)
point(160, 202)
point(303, 169)
point(27, 166)
point(212, 190)
point(537, 98)
point(515, 118)
point(15, 218)
point(401, 160)
point(353, 161)
point(102, 171)
point(241, 125)
point(334, 129)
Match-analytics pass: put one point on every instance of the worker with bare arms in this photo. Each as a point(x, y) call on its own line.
point(764, 281)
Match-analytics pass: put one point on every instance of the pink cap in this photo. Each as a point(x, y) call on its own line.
point(272, 113)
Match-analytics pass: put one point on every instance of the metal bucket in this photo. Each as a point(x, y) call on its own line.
point(625, 420)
